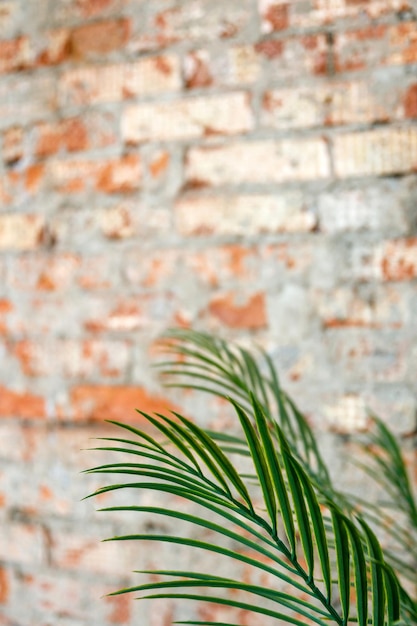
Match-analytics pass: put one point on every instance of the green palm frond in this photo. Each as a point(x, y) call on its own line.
point(386, 466)
point(207, 363)
point(309, 546)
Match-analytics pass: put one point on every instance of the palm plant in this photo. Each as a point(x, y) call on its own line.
point(281, 512)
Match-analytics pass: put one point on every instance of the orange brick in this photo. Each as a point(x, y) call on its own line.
point(398, 259)
point(100, 402)
point(99, 38)
point(21, 404)
point(15, 54)
point(71, 135)
point(120, 175)
point(4, 586)
point(250, 314)
point(410, 102)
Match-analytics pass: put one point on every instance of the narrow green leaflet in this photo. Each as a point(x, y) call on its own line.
point(261, 465)
point(276, 473)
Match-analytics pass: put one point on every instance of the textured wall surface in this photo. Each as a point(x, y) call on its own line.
point(244, 166)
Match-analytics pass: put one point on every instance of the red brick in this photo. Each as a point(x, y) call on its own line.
point(4, 586)
point(21, 404)
point(250, 314)
point(71, 135)
point(410, 102)
point(375, 46)
point(120, 176)
point(399, 259)
point(15, 54)
point(271, 48)
point(101, 402)
point(99, 38)
point(275, 15)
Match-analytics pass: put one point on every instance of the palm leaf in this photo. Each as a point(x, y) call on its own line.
point(205, 476)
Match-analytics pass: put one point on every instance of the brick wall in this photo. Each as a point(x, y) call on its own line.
point(243, 166)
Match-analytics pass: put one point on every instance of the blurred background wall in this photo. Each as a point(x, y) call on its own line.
point(242, 166)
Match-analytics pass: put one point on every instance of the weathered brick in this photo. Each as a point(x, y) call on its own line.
point(15, 54)
point(398, 259)
point(376, 45)
point(376, 207)
point(100, 402)
point(238, 215)
point(43, 272)
point(228, 114)
point(347, 414)
point(257, 162)
point(21, 543)
point(129, 314)
point(99, 38)
point(21, 404)
point(75, 134)
point(366, 307)
point(295, 56)
point(238, 65)
point(70, 358)
point(325, 12)
point(21, 232)
point(201, 20)
point(345, 102)
point(9, 12)
point(120, 175)
point(231, 311)
point(410, 102)
point(113, 83)
point(12, 145)
point(28, 97)
point(67, 10)
point(377, 152)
